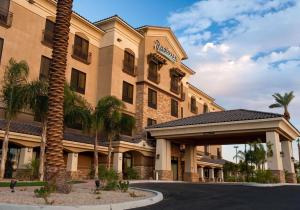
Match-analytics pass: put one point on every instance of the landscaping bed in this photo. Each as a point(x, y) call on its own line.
point(81, 194)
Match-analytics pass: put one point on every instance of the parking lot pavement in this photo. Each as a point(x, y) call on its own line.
point(181, 196)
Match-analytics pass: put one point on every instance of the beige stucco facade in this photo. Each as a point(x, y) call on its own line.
point(108, 40)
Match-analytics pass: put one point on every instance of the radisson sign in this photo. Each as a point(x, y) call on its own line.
point(164, 51)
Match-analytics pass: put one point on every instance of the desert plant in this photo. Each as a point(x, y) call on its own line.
point(123, 186)
point(44, 192)
point(33, 166)
point(132, 173)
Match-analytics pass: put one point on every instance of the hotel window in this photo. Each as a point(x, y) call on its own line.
point(48, 32)
point(5, 15)
point(205, 108)
point(206, 150)
point(219, 153)
point(1, 47)
point(194, 107)
point(152, 98)
point(78, 80)
point(44, 69)
point(174, 108)
point(128, 63)
point(81, 49)
point(151, 122)
point(175, 87)
point(153, 74)
point(124, 129)
point(127, 95)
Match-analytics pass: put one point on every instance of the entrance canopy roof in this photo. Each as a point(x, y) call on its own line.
point(227, 127)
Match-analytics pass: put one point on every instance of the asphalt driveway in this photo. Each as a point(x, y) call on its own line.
point(183, 196)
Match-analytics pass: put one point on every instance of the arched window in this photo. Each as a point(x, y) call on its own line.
point(194, 108)
point(128, 63)
point(205, 108)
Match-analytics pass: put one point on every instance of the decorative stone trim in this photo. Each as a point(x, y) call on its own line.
point(191, 177)
point(279, 174)
point(164, 174)
point(291, 178)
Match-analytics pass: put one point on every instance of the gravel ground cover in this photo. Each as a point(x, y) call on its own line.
point(82, 194)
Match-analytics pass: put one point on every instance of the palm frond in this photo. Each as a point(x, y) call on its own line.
point(277, 105)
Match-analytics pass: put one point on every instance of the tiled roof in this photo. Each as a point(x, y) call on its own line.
point(36, 130)
point(218, 117)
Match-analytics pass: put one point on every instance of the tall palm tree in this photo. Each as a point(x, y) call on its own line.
point(112, 120)
point(283, 101)
point(55, 166)
point(15, 78)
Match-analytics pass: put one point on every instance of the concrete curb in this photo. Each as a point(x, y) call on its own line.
point(154, 181)
point(253, 184)
point(115, 206)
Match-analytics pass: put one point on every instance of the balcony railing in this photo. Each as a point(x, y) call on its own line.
point(78, 54)
point(48, 38)
point(6, 18)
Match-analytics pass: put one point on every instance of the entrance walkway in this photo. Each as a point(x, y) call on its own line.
point(178, 196)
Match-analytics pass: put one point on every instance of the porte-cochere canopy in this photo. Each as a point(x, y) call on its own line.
point(227, 127)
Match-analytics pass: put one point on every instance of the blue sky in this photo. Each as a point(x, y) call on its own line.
point(243, 51)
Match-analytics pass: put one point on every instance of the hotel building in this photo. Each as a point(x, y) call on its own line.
point(141, 66)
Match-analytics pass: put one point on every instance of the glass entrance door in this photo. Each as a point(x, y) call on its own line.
point(174, 165)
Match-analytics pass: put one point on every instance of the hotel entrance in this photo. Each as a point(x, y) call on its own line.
point(11, 164)
point(174, 166)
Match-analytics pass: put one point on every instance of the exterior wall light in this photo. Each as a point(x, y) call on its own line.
point(157, 156)
point(281, 154)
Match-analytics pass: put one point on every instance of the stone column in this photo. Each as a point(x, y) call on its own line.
point(275, 161)
point(288, 164)
point(190, 165)
point(163, 169)
point(201, 174)
point(25, 157)
point(72, 162)
point(211, 174)
point(118, 163)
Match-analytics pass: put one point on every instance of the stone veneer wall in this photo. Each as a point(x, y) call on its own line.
point(80, 174)
point(143, 112)
point(145, 172)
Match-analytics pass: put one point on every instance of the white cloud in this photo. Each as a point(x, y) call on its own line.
point(237, 31)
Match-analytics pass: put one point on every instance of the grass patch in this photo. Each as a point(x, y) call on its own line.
point(23, 184)
point(76, 182)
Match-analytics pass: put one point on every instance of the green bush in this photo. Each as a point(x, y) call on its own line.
point(108, 177)
point(33, 167)
point(123, 186)
point(264, 176)
point(298, 179)
point(131, 173)
point(44, 192)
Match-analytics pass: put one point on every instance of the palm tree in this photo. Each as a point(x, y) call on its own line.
point(55, 166)
point(37, 99)
point(15, 78)
point(283, 101)
point(112, 121)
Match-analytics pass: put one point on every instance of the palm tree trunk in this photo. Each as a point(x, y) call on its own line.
point(96, 156)
point(4, 149)
point(42, 151)
point(286, 114)
point(55, 166)
point(109, 150)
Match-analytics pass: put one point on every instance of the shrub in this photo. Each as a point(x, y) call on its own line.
point(264, 176)
point(123, 186)
point(132, 173)
point(109, 178)
point(33, 167)
point(44, 192)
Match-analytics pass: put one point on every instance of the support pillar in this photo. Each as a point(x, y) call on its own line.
point(163, 160)
point(274, 160)
point(221, 175)
point(288, 164)
point(211, 174)
point(118, 163)
point(190, 158)
point(72, 162)
point(201, 174)
point(25, 157)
